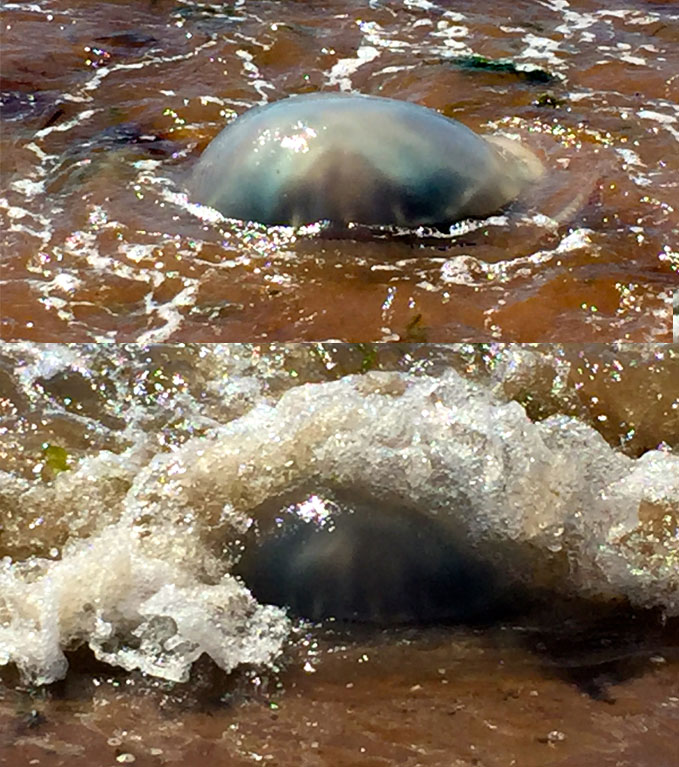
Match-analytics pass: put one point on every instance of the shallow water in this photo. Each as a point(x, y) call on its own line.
point(106, 107)
point(434, 698)
point(132, 477)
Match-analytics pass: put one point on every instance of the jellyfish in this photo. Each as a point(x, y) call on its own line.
point(369, 561)
point(357, 159)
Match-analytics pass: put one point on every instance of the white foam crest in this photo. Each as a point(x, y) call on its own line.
point(107, 582)
point(450, 448)
point(53, 358)
point(31, 8)
point(62, 127)
point(253, 75)
point(661, 117)
point(542, 49)
point(452, 37)
point(421, 5)
point(102, 72)
point(466, 270)
point(28, 187)
point(27, 221)
point(469, 270)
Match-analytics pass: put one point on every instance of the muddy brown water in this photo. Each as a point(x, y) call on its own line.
point(106, 107)
point(515, 695)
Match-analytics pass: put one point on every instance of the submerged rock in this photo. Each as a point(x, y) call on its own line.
point(357, 159)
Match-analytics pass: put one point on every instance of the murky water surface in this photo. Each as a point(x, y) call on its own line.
point(131, 477)
point(106, 107)
point(433, 698)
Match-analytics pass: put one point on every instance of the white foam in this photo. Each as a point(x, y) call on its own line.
point(108, 581)
point(661, 117)
point(542, 49)
point(168, 312)
point(342, 69)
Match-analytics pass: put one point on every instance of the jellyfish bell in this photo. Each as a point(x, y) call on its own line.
point(356, 159)
point(369, 562)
